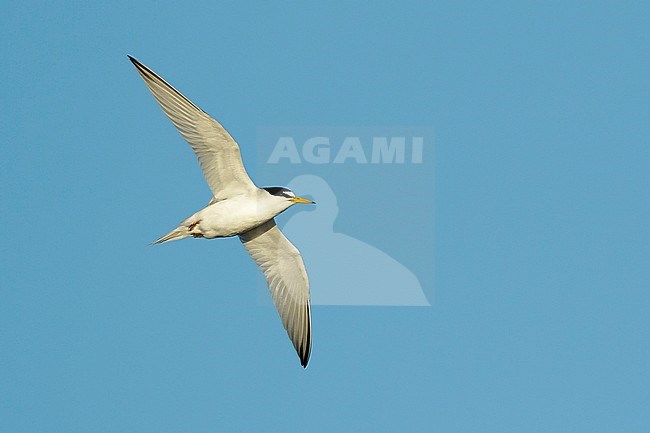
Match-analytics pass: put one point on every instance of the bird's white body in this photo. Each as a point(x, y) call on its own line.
point(234, 216)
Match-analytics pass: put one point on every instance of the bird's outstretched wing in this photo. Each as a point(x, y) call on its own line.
point(287, 279)
point(217, 151)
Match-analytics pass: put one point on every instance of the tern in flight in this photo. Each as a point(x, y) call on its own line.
point(239, 208)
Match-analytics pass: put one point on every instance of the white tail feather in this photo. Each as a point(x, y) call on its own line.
point(180, 232)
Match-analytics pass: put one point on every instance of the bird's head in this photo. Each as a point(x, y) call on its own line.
point(287, 194)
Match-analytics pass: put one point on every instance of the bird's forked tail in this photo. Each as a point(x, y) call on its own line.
point(180, 232)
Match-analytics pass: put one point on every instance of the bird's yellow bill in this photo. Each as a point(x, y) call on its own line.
point(301, 200)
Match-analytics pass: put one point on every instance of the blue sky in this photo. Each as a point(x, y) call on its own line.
point(528, 231)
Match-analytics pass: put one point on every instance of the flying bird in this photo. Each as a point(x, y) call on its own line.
point(239, 208)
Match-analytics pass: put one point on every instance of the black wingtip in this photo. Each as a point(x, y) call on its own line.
point(306, 353)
